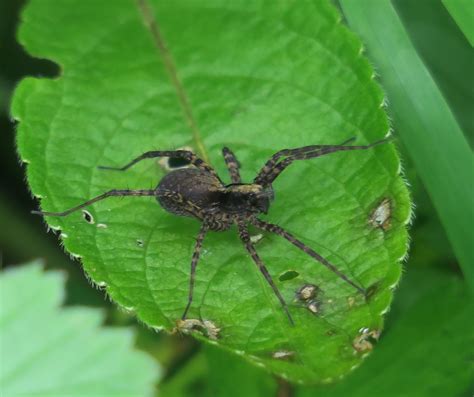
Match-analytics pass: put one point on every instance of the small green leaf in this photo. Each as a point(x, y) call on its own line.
point(462, 12)
point(48, 350)
point(257, 78)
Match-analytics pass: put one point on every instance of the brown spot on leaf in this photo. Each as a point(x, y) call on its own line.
point(205, 327)
point(365, 340)
point(307, 292)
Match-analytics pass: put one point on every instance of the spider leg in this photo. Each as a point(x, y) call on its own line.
point(194, 262)
point(110, 193)
point(232, 165)
point(269, 227)
point(181, 154)
point(272, 169)
point(244, 236)
point(289, 152)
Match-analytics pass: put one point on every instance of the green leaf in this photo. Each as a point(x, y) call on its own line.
point(428, 348)
point(462, 12)
point(424, 121)
point(48, 350)
point(258, 78)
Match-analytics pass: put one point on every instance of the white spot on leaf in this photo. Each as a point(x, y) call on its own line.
point(380, 216)
point(206, 327)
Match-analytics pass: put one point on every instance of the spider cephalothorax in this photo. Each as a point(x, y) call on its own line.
point(199, 192)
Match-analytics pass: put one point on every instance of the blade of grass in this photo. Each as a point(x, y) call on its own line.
point(423, 121)
point(462, 12)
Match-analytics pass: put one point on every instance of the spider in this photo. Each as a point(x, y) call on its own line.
point(199, 192)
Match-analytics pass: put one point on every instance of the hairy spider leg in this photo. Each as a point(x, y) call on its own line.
point(244, 236)
point(232, 165)
point(270, 227)
point(271, 170)
point(194, 262)
point(110, 193)
point(181, 154)
point(288, 152)
point(121, 193)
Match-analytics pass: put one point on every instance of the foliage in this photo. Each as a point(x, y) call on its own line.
point(463, 13)
point(49, 350)
point(426, 124)
point(426, 351)
point(296, 77)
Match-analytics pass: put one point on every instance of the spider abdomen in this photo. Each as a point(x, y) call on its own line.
point(192, 192)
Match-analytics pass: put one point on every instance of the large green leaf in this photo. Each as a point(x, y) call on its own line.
point(50, 351)
point(257, 77)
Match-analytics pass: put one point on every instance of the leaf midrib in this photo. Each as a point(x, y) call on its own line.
point(151, 23)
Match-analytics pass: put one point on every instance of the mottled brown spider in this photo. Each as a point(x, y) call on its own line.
point(200, 193)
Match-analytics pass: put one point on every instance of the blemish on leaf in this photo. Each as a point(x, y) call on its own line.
point(288, 275)
point(380, 216)
point(366, 339)
point(139, 243)
point(206, 327)
point(102, 225)
point(88, 217)
point(307, 292)
point(314, 306)
point(212, 330)
point(283, 354)
point(256, 238)
point(351, 301)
